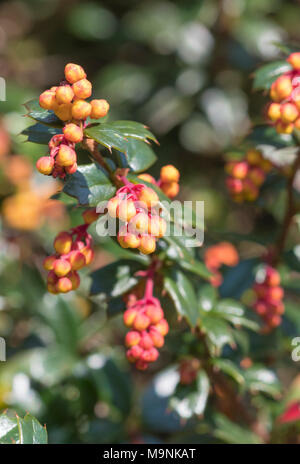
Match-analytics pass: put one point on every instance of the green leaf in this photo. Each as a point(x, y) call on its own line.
point(15, 430)
point(266, 75)
point(267, 135)
point(229, 368)
point(181, 291)
point(191, 400)
point(261, 379)
point(40, 115)
point(90, 185)
point(134, 130)
point(107, 135)
point(218, 334)
point(287, 48)
point(207, 297)
point(234, 312)
point(230, 432)
point(40, 133)
point(139, 156)
point(115, 279)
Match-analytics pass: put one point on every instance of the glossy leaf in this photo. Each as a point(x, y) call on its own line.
point(15, 430)
point(134, 130)
point(234, 312)
point(229, 368)
point(207, 296)
point(40, 133)
point(40, 115)
point(261, 379)
point(267, 135)
point(139, 155)
point(218, 334)
point(190, 400)
point(90, 185)
point(266, 75)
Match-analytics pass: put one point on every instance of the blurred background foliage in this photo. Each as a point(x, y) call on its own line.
point(184, 69)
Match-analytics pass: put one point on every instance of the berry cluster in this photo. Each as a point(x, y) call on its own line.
point(148, 326)
point(217, 255)
point(136, 207)
point(68, 101)
point(246, 176)
point(168, 181)
point(269, 295)
point(284, 111)
point(73, 252)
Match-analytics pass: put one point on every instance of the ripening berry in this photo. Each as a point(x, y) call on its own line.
point(147, 245)
point(297, 124)
point(279, 307)
point(130, 240)
point(240, 170)
point(250, 190)
point(139, 223)
point(156, 337)
point(169, 174)
point(261, 308)
point(81, 109)
point(147, 178)
point(75, 279)
point(141, 322)
point(289, 113)
point(257, 175)
point(132, 338)
point(294, 60)
point(61, 267)
point(112, 206)
point(134, 353)
point(266, 165)
point(52, 288)
point(148, 196)
point(71, 169)
point(52, 278)
point(77, 260)
point(275, 293)
point(157, 226)
point(171, 189)
point(146, 341)
point(150, 355)
point(253, 156)
point(48, 262)
point(82, 89)
point(273, 93)
point(45, 165)
point(89, 254)
point(64, 111)
point(73, 133)
point(155, 313)
point(47, 100)
point(63, 243)
point(141, 365)
point(66, 156)
point(162, 327)
point(64, 285)
point(283, 86)
point(99, 108)
point(234, 185)
point(64, 94)
point(274, 111)
point(284, 128)
point(274, 321)
point(126, 210)
point(129, 316)
point(272, 277)
point(74, 73)
point(90, 215)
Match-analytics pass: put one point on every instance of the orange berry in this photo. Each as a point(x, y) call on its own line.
point(134, 353)
point(274, 111)
point(250, 190)
point(141, 365)
point(162, 327)
point(66, 156)
point(294, 60)
point(126, 210)
point(148, 196)
point(253, 156)
point(90, 215)
point(141, 322)
point(71, 169)
point(64, 94)
point(74, 73)
point(297, 123)
point(155, 313)
point(47, 100)
point(272, 277)
point(130, 240)
point(45, 165)
point(156, 337)
point(63, 243)
point(240, 169)
point(82, 89)
point(273, 93)
point(157, 226)
point(146, 341)
point(75, 279)
point(52, 278)
point(289, 113)
point(81, 109)
point(129, 316)
point(139, 223)
point(48, 262)
point(283, 86)
point(169, 174)
point(77, 260)
point(89, 254)
point(147, 178)
point(64, 111)
point(99, 108)
point(112, 206)
point(171, 189)
point(234, 185)
point(61, 267)
point(147, 245)
point(73, 133)
point(132, 338)
point(63, 285)
point(284, 128)
point(275, 293)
